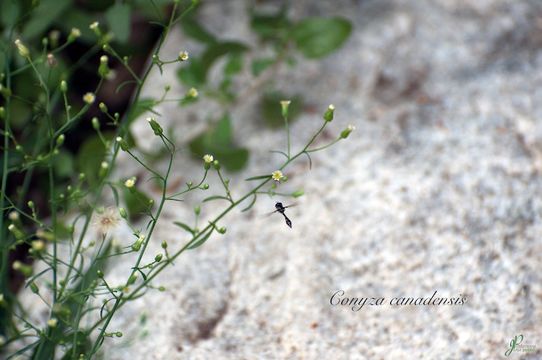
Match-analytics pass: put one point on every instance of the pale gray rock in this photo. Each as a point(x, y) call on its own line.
point(438, 189)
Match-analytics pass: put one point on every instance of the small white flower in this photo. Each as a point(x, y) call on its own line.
point(104, 165)
point(94, 25)
point(277, 175)
point(193, 93)
point(183, 56)
point(52, 322)
point(331, 107)
point(38, 245)
point(130, 182)
point(208, 158)
point(75, 33)
point(13, 216)
point(89, 98)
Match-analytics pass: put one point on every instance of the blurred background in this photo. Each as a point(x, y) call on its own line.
point(438, 188)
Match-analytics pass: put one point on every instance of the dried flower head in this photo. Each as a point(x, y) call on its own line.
point(106, 221)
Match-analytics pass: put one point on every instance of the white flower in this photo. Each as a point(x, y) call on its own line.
point(130, 182)
point(38, 245)
point(52, 322)
point(89, 98)
point(192, 93)
point(75, 33)
point(208, 158)
point(94, 25)
point(277, 175)
point(331, 107)
point(104, 165)
point(13, 216)
point(183, 56)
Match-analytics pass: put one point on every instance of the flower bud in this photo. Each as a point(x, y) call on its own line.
point(122, 143)
point(75, 33)
point(122, 212)
point(158, 258)
point(2, 112)
point(60, 140)
point(95, 123)
point(328, 115)
point(221, 230)
point(23, 50)
point(216, 165)
point(95, 27)
point(103, 69)
point(132, 279)
point(347, 131)
point(164, 244)
point(34, 288)
point(63, 86)
point(197, 210)
point(284, 104)
point(52, 323)
point(103, 107)
point(155, 127)
point(204, 186)
point(100, 274)
point(51, 60)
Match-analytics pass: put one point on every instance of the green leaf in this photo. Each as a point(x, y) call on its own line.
point(77, 18)
point(201, 241)
point(9, 13)
point(218, 141)
point(234, 65)
point(260, 177)
point(271, 109)
point(139, 108)
point(137, 202)
point(194, 30)
point(317, 37)
point(259, 65)
point(118, 18)
point(63, 164)
point(192, 74)
point(270, 26)
point(195, 74)
point(215, 197)
point(43, 16)
point(184, 226)
point(90, 156)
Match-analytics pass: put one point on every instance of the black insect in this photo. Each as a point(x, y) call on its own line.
point(281, 209)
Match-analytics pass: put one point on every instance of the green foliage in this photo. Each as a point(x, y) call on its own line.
point(318, 37)
point(218, 140)
point(61, 192)
point(271, 113)
point(118, 19)
point(312, 38)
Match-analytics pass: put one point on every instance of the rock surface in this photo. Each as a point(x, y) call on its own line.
point(437, 190)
